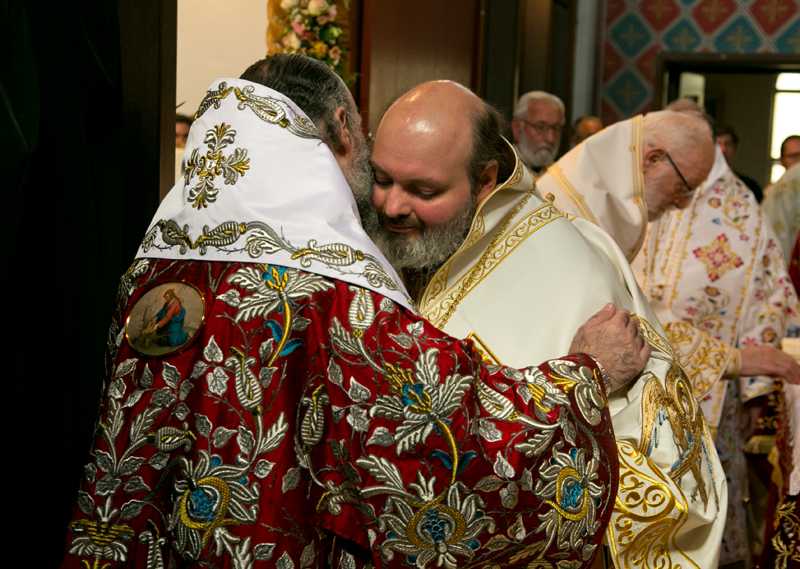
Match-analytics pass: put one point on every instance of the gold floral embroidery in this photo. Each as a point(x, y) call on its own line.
point(263, 240)
point(214, 164)
point(785, 541)
point(701, 354)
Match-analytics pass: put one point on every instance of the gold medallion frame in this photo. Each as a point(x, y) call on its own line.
point(141, 330)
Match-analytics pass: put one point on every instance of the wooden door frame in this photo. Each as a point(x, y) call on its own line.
point(672, 64)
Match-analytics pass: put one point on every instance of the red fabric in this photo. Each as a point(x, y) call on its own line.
point(794, 264)
point(299, 457)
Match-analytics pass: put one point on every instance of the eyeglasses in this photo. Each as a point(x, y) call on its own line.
point(541, 128)
point(689, 188)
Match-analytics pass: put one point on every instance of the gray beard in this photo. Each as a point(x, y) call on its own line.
point(541, 156)
point(427, 252)
point(431, 249)
point(361, 180)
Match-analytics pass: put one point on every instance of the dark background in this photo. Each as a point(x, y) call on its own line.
point(81, 125)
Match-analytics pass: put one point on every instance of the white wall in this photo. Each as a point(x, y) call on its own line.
point(583, 75)
point(216, 40)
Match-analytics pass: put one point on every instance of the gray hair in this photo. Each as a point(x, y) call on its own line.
point(686, 105)
point(680, 133)
point(312, 86)
point(525, 101)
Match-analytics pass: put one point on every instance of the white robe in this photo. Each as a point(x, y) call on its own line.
point(526, 278)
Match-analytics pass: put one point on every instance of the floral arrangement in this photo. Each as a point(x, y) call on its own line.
point(311, 30)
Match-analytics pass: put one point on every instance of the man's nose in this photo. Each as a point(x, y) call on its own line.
point(396, 202)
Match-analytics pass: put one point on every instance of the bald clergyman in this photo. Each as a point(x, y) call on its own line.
point(485, 255)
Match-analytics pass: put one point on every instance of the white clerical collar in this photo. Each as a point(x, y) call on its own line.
point(260, 186)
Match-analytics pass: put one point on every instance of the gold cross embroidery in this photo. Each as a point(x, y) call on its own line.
point(684, 40)
point(628, 93)
point(739, 38)
point(773, 10)
point(631, 36)
point(658, 9)
point(713, 10)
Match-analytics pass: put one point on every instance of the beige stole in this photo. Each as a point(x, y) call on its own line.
point(601, 181)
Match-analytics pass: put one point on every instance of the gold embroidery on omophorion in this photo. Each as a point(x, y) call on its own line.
point(502, 245)
point(686, 418)
point(262, 240)
point(214, 164)
point(703, 356)
point(480, 346)
point(647, 500)
point(268, 110)
point(213, 98)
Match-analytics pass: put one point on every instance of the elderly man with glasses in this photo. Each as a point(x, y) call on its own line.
point(537, 125)
point(631, 173)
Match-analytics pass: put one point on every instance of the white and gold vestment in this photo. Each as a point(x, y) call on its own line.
point(526, 278)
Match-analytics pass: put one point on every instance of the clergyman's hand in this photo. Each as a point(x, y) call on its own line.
point(613, 338)
point(766, 360)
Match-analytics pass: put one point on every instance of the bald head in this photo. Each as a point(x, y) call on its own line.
point(437, 152)
point(434, 119)
point(678, 155)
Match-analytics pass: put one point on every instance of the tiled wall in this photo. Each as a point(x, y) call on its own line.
point(636, 30)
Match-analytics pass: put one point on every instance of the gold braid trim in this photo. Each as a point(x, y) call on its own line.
point(475, 272)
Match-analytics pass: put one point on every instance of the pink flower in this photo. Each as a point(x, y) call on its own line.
point(332, 13)
point(298, 28)
point(749, 343)
point(322, 20)
point(335, 52)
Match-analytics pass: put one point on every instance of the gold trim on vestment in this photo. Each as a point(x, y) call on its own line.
point(573, 194)
point(637, 141)
point(483, 349)
point(646, 500)
point(491, 258)
point(705, 357)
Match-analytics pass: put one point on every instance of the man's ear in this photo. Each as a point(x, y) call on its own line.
point(515, 126)
point(487, 181)
point(652, 156)
point(344, 135)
